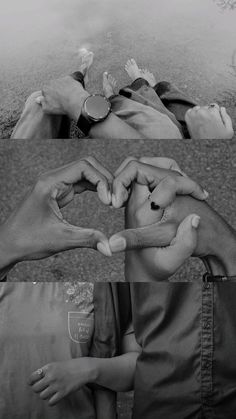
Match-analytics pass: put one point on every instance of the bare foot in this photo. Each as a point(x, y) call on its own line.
point(109, 85)
point(132, 69)
point(147, 75)
point(86, 58)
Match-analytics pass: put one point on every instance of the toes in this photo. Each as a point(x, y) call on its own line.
point(105, 77)
point(129, 63)
point(86, 56)
point(112, 80)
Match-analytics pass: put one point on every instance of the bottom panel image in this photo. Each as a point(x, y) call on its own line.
point(105, 351)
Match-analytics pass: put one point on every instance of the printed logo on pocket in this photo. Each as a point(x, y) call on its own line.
point(80, 326)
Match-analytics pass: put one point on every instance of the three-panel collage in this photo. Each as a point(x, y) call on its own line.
point(117, 213)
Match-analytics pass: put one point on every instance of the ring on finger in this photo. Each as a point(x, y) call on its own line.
point(40, 372)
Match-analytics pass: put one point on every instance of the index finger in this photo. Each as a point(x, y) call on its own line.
point(36, 376)
point(226, 119)
point(75, 172)
point(151, 176)
point(141, 173)
point(162, 163)
point(154, 235)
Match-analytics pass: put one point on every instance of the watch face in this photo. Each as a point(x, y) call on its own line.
point(97, 107)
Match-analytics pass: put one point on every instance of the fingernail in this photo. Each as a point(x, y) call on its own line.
point(117, 244)
point(109, 196)
point(206, 193)
point(104, 249)
point(195, 221)
point(114, 200)
point(154, 206)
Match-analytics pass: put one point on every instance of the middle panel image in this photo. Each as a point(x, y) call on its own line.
point(101, 210)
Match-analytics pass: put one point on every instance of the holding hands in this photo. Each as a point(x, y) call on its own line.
point(167, 242)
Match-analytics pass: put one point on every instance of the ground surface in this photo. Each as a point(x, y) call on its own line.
point(189, 42)
point(212, 163)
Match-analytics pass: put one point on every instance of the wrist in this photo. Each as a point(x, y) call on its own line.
point(8, 252)
point(223, 266)
point(76, 103)
point(223, 260)
point(92, 369)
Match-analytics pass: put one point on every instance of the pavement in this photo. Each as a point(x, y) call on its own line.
point(211, 163)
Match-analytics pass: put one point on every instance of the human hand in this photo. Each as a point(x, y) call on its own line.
point(158, 173)
point(169, 241)
point(63, 96)
point(37, 230)
point(209, 122)
point(215, 237)
point(57, 380)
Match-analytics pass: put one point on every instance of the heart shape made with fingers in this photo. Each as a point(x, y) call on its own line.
point(37, 228)
point(160, 179)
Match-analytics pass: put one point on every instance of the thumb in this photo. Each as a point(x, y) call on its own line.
point(42, 101)
point(154, 235)
point(183, 244)
point(77, 237)
point(226, 119)
point(169, 259)
point(40, 98)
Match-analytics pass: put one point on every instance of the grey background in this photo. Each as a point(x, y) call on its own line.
point(211, 163)
point(191, 43)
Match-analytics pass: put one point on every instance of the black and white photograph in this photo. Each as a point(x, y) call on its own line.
point(67, 204)
point(117, 213)
point(152, 62)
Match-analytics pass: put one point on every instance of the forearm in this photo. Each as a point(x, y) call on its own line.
point(114, 128)
point(105, 403)
point(111, 128)
point(7, 257)
point(223, 264)
point(116, 373)
point(220, 258)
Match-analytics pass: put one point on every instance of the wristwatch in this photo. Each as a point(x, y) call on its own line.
point(96, 108)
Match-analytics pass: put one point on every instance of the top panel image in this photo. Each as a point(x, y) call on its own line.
point(127, 69)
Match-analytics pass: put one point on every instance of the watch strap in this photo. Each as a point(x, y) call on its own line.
point(217, 278)
point(84, 124)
